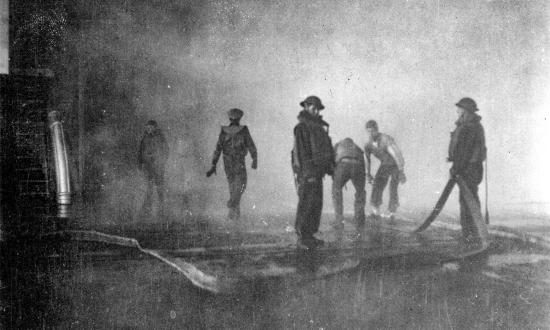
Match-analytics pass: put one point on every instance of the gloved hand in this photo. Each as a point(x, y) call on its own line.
point(211, 171)
point(402, 177)
point(254, 164)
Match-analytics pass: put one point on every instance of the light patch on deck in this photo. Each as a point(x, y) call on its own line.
point(516, 259)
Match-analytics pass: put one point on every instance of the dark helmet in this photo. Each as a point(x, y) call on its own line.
point(152, 123)
point(235, 114)
point(313, 100)
point(467, 103)
point(372, 124)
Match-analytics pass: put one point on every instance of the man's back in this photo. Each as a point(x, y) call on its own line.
point(348, 149)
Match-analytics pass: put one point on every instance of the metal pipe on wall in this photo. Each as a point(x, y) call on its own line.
point(63, 183)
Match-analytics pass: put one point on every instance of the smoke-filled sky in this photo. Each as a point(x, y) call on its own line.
point(402, 63)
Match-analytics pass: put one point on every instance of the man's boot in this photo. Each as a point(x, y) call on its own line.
point(375, 214)
point(359, 220)
point(338, 223)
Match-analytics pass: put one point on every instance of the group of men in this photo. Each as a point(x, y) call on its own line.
point(314, 156)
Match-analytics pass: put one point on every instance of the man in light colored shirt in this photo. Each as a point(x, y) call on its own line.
point(392, 167)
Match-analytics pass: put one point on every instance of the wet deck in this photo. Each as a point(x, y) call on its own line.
point(380, 277)
point(224, 262)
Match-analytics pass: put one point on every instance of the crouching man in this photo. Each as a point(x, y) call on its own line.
point(392, 167)
point(350, 165)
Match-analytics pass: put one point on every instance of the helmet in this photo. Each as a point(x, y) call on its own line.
point(235, 114)
point(152, 123)
point(467, 103)
point(372, 124)
point(313, 100)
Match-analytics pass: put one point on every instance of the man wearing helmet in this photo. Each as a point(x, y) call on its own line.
point(392, 167)
point(467, 151)
point(312, 158)
point(235, 142)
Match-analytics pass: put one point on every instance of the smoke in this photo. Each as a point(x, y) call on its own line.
point(402, 63)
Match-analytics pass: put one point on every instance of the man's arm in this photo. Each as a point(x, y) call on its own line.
point(303, 153)
point(367, 157)
point(216, 156)
point(396, 154)
point(140, 153)
point(218, 150)
point(251, 147)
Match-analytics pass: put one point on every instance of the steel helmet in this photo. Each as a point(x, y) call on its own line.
point(467, 103)
point(313, 100)
point(235, 114)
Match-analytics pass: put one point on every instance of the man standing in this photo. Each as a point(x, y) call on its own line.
point(235, 142)
point(467, 151)
point(350, 165)
point(153, 153)
point(392, 166)
point(312, 158)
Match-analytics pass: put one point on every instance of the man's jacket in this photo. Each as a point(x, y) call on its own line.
point(467, 142)
point(312, 155)
point(153, 151)
point(234, 142)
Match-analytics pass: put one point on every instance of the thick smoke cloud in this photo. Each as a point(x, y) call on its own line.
point(403, 63)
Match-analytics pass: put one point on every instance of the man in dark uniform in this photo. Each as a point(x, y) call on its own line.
point(350, 165)
point(153, 153)
point(235, 142)
point(467, 151)
point(312, 158)
point(392, 167)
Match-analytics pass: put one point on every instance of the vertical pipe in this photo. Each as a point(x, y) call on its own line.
point(60, 159)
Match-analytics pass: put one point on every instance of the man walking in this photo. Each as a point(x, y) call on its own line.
point(312, 158)
point(350, 165)
point(153, 153)
point(235, 142)
point(392, 166)
point(467, 151)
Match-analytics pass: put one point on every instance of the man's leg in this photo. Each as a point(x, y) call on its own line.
point(237, 185)
point(472, 176)
point(465, 217)
point(394, 185)
point(308, 213)
point(149, 184)
point(241, 180)
point(231, 182)
point(316, 205)
point(358, 179)
point(380, 182)
point(159, 183)
point(302, 211)
point(338, 182)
